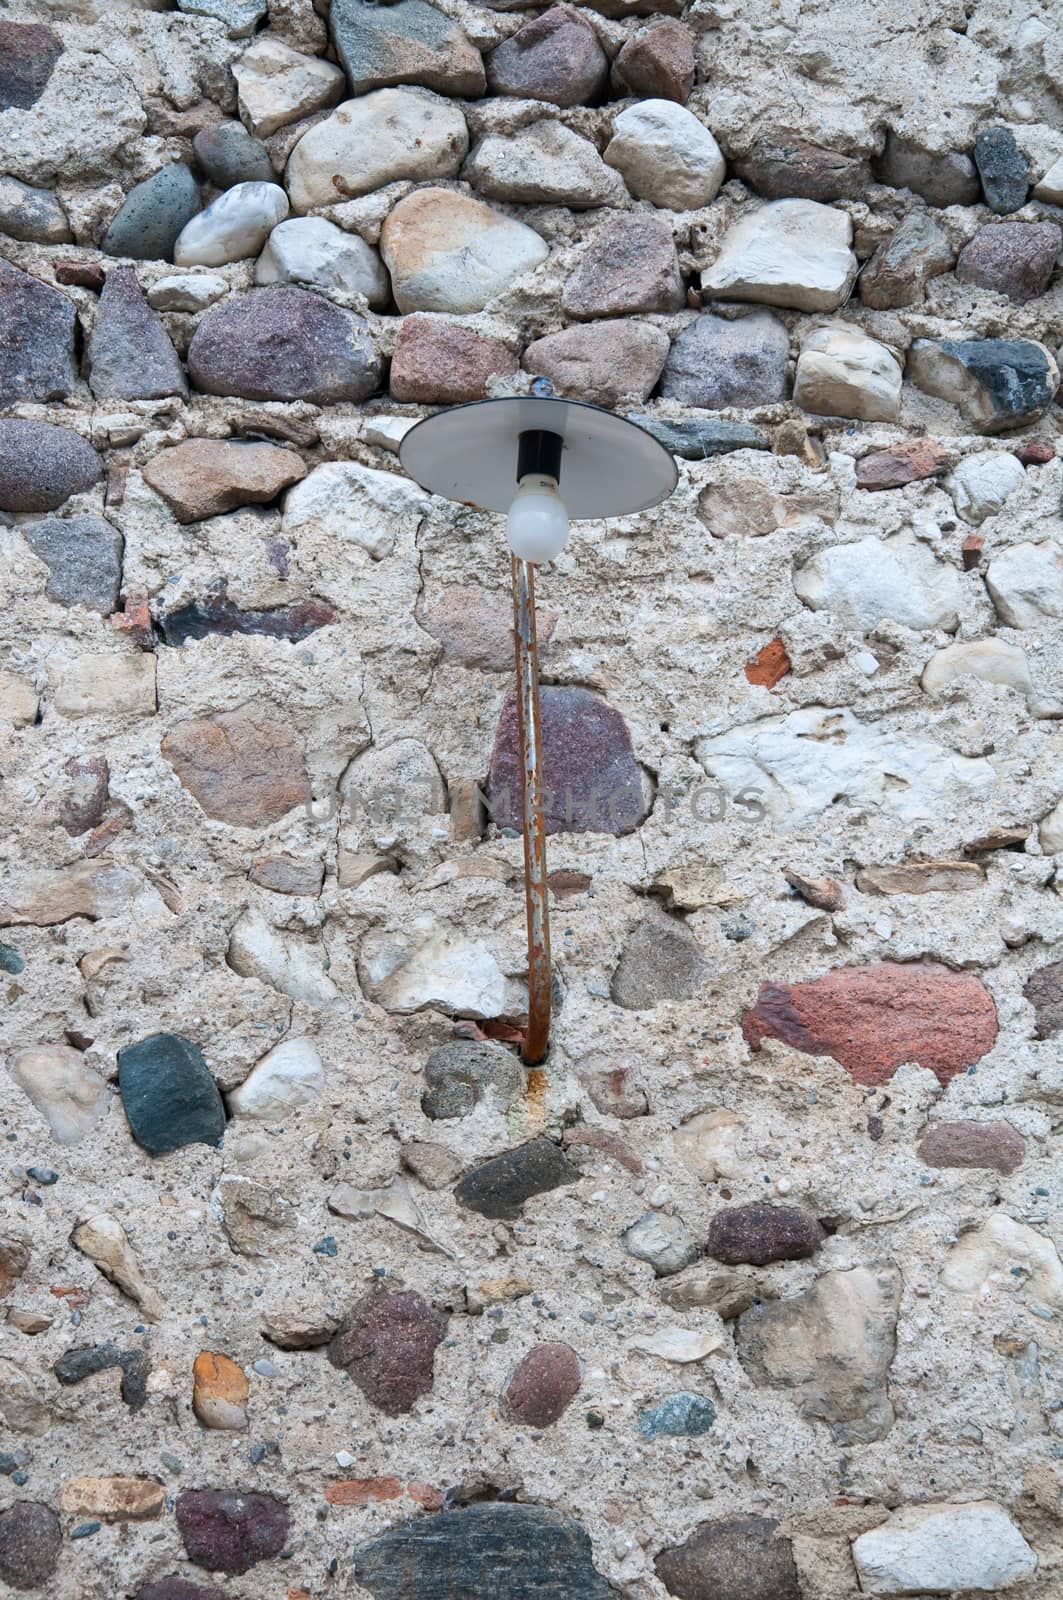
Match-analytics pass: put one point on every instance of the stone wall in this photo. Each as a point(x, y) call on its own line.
point(309, 1289)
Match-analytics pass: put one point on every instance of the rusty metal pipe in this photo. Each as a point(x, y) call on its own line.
point(529, 728)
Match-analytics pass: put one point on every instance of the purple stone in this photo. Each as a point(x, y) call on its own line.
point(761, 1233)
point(284, 344)
point(225, 1530)
point(30, 1540)
point(36, 339)
point(388, 1346)
point(130, 354)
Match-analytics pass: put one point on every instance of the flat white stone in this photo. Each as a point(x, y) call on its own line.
point(1050, 187)
point(707, 1145)
point(448, 252)
point(982, 1263)
point(187, 291)
point(1026, 583)
point(799, 764)
point(290, 1075)
point(313, 251)
point(104, 686)
point(544, 164)
point(256, 950)
point(843, 373)
point(234, 226)
point(278, 85)
point(359, 505)
point(943, 1549)
point(375, 140)
point(682, 1346)
point(980, 483)
point(431, 966)
point(387, 432)
point(787, 253)
point(898, 579)
point(1051, 831)
point(665, 155)
point(69, 1095)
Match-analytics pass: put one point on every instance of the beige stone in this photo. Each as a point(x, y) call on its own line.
point(244, 767)
point(204, 477)
point(842, 373)
point(105, 686)
point(367, 143)
point(93, 889)
point(921, 877)
point(103, 1239)
point(787, 253)
point(18, 700)
point(116, 1499)
point(278, 85)
point(448, 252)
point(708, 1144)
point(57, 1080)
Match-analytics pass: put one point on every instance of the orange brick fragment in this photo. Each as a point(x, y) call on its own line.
point(425, 1494)
point(359, 1491)
point(769, 664)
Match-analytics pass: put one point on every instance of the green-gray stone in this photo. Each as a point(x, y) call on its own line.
point(153, 214)
point(10, 960)
point(677, 1415)
point(698, 439)
point(485, 1551)
point(169, 1096)
point(406, 42)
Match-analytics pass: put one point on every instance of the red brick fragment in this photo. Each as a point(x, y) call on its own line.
point(769, 664)
point(360, 1491)
point(971, 550)
point(425, 1494)
point(80, 275)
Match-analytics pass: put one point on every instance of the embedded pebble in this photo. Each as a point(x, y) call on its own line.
point(364, 144)
point(41, 465)
point(387, 1345)
point(130, 353)
point(718, 362)
point(168, 1094)
point(788, 253)
point(543, 1386)
point(666, 155)
point(664, 1241)
point(234, 226)
point(227, 154)
point(761, 1233)
point(314, 252)
point(283, 343)
point(229, 1530)
point(448, 252)
point(681, 1415)
point(147, 225)
point(554, 57)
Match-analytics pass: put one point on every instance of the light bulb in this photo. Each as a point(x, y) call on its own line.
point(537, 524)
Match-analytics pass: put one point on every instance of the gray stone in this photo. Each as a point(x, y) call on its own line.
point(84, 559)
point(700, 440)
point(152, 215)
point(461, 1075)
point(630, 266)
point(1003, 169)
point(130, 354)
point(522, 1552)
point(41, 465)
point(168, 1094)
point(284, 344)
point(831, 1348)
point(499, 1188)
point(407, 42)
point(36, 339)
point(1012, 258)
point(661, 960)
point(664, 1241)
point(731, 1558)
point(948, 179)
point(718, 363)
point(998, 384)
point(783, 165)
point(239, 18)
point(1044, 991)
point(227, 154)
point(898, 272)
point(993, 1145)
point(33, 215)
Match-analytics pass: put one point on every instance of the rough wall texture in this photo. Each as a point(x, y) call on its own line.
point(308, 1288)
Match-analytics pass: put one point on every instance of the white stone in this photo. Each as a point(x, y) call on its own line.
point(1051, 831)
point(428, 965)
point(69, 1095)
point(544, 164)
point(234, 226)
point(313, 251)
point(843, 373)
point(981, 1264)
point(290, 1075)
point(1026, 583)
point(103, 1239)
point(801, 763)
point(980, 484)
point(381, 137)
point(991, 661)
point(1050, 187)
point(105, 686)
point(943, 1549)
point(278, 85)
point(394, 1202)
point(707, 1145)
point(787, 253)
point(387, 432)
point(257, 950)
point(448, 252)
point(874, 580)
point(364, 507)
point(665, 155)
point(18, 701)
point(187, 291)
point(239, 18)
point(681, 1345)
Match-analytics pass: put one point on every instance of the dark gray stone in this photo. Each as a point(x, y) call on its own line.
point(284, 344)
point(998, 384)
point(11, 961)
point(130, 354)
point(717, 363)
point(146, 226)
point(1012, 258)
point(731, 1558)
point(499, 1188)
point(217, 614)
point(84, 559)
point(784, 166)
point(28, 54)
point(661, 960)
point(87, 1360)
point(1003, 169)
point(36, 339)
point(458, 1076)
point(481, 1553)
point(30, 1542)
point(168, 1094)
point(701, 439)
point(34, 215)
point(41, 465)
point(949, 179)
point(408, 42)
point(239, 18)
point(227, 154)
point(758, 1234)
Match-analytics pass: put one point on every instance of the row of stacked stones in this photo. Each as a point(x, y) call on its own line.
point(309, 1287)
